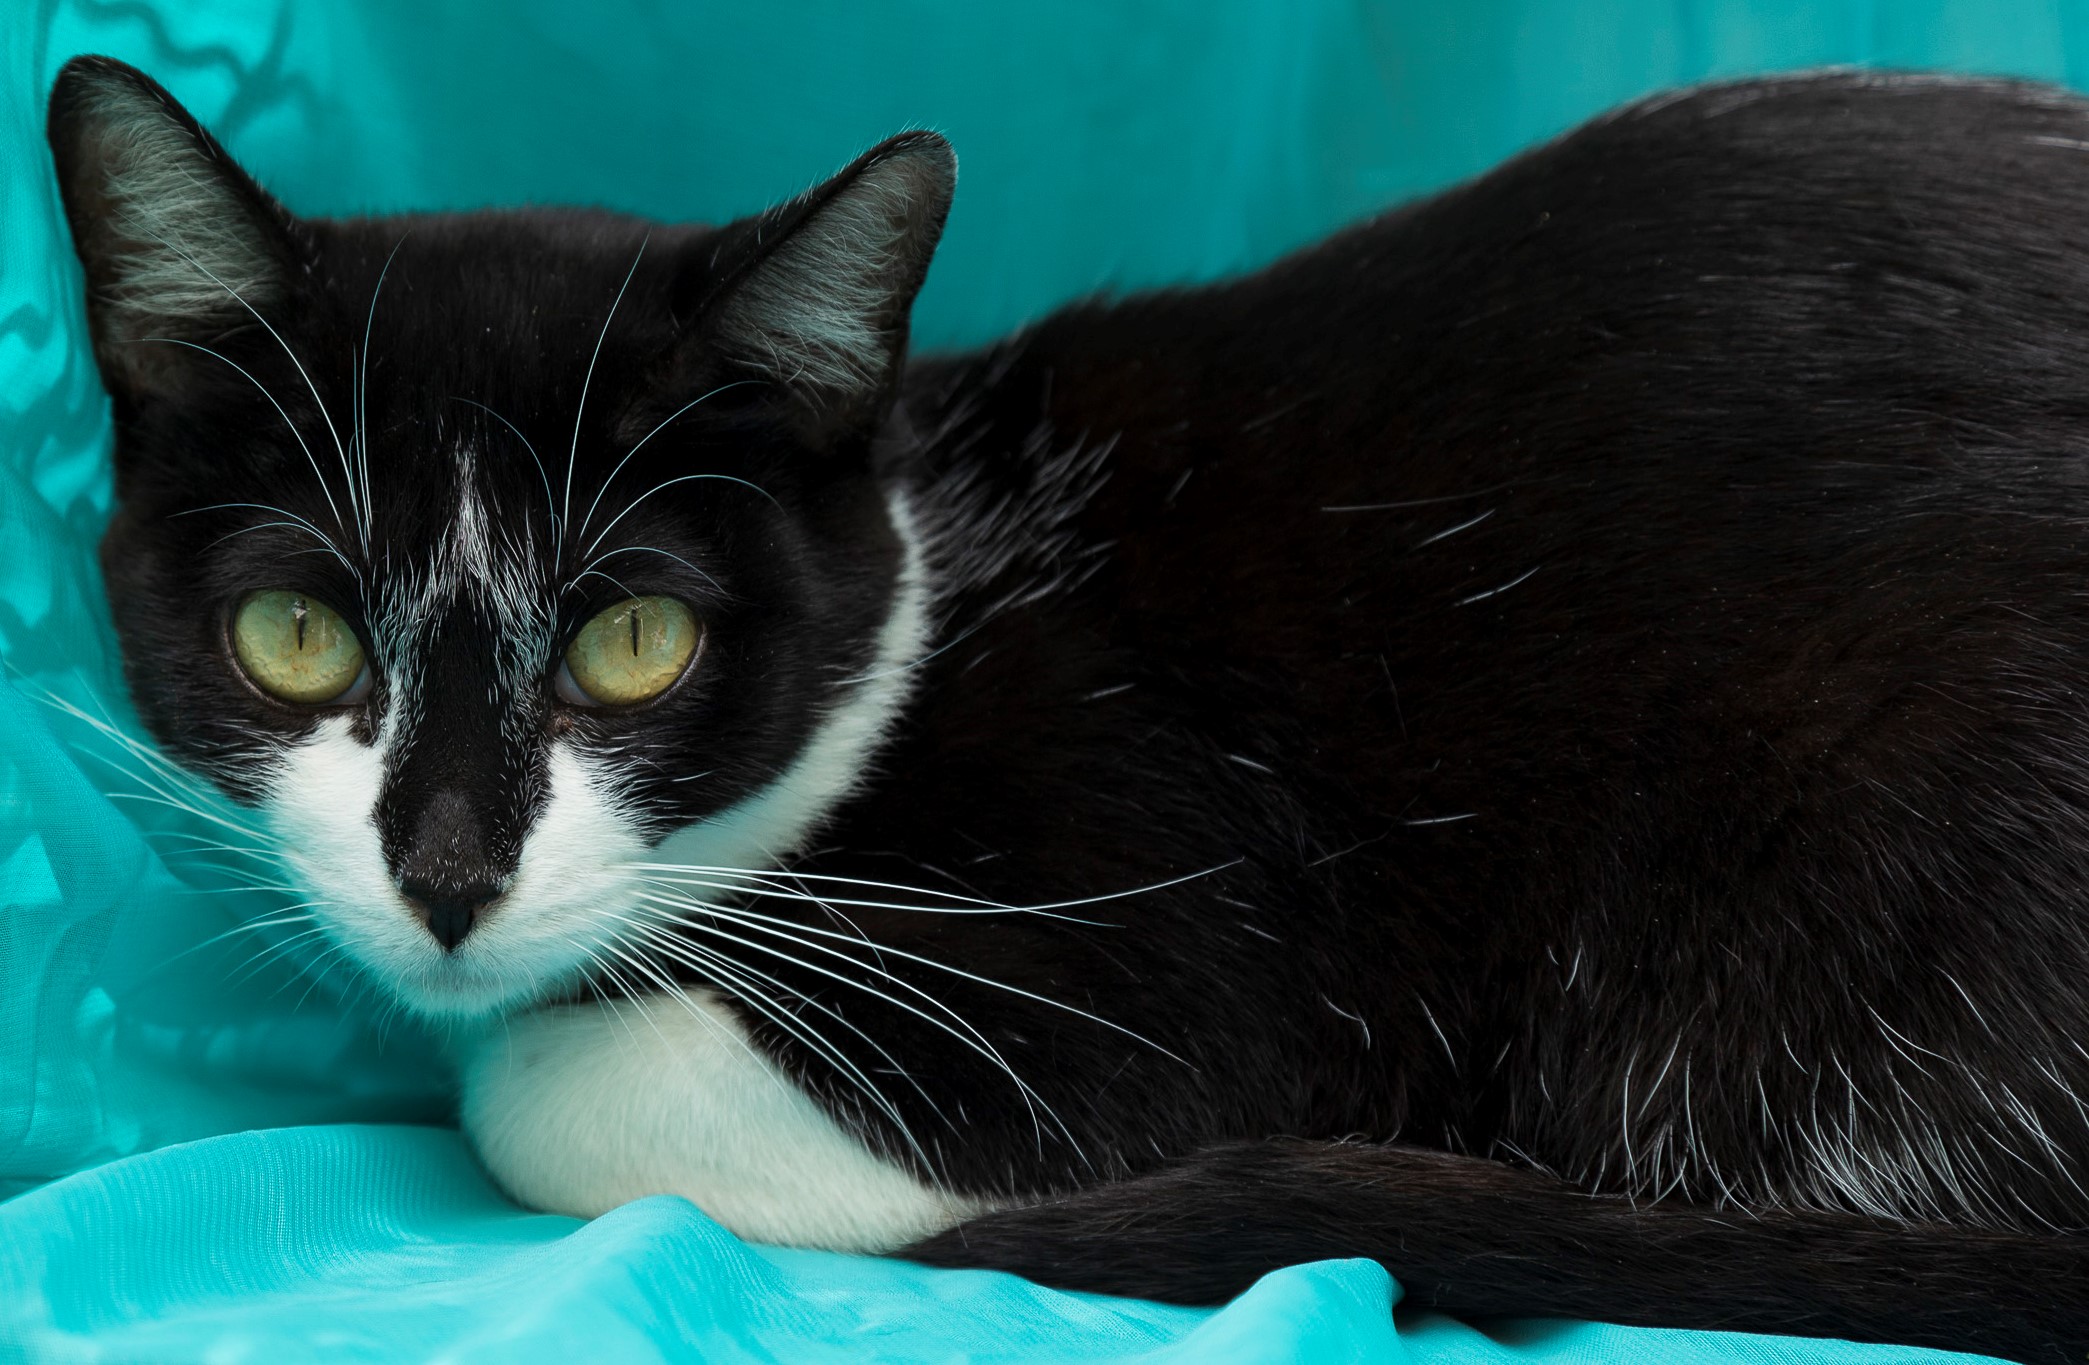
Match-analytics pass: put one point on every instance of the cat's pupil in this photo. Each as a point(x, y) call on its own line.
point(634, 632)
point(298, 612)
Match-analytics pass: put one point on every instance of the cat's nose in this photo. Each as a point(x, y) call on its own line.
point(446, 871)
point(448, 911)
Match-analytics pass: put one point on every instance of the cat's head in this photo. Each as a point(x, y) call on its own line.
point(481, 553)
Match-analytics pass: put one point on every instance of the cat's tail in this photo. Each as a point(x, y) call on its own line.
point(1478, 1238)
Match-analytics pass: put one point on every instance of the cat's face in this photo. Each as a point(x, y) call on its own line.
point(480, 554)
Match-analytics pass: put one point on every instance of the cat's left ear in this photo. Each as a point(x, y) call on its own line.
point(177, 241)
point(818, 301)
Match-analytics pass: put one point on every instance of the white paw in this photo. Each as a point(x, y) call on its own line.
point(580, 1108)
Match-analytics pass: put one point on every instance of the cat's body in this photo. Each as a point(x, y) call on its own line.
point(1586, 672)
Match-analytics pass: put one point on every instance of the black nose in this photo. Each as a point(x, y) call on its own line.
point(449, 912)
point(446, 869)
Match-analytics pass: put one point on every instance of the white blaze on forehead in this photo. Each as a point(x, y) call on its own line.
point(584, 1107)
point(477, 560)
point(470, 550)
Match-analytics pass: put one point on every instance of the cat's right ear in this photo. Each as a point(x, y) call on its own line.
point(815, 294)
point(178, 243)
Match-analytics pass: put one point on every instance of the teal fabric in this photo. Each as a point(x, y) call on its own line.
point(195, 1139)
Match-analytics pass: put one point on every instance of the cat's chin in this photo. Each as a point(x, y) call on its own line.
point(464, 1005)
point(462, 993)
point(460, 1002)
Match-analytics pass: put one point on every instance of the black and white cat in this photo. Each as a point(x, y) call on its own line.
point(1544, 740)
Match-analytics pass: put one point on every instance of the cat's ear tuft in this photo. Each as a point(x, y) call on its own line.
point(176, 240)
point(821, 307)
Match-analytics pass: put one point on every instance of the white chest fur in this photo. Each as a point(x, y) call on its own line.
point(580, 1108)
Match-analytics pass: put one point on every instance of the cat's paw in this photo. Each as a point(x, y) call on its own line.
point(580, 1108)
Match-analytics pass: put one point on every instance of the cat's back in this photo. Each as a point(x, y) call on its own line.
point(1923, 229)
point(1779, 335)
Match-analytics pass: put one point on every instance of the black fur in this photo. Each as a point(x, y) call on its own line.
point(1480, 1239)
point(1599, 658)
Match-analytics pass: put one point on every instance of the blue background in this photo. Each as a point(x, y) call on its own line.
point(209, 1158)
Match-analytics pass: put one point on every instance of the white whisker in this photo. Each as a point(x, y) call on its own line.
point(276, 921)
point(646, 549)
point(965, 1032)
point(580, 410)
point(670, 483)
point(309, 457)
point(362, 390)
point(754, 920)
point(582, 529)
point(775, 1012)
point(1044, 908)
point(319, 402)
point(658, 938)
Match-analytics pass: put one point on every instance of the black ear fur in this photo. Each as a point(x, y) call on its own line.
point(176, 240)
point(819, 295)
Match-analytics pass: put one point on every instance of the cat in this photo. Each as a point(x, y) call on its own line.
point(1542, 739)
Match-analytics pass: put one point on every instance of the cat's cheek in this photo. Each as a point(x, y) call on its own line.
point(579, 1108)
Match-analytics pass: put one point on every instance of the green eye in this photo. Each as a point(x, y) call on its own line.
point(631, 653)
point(296, 647)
